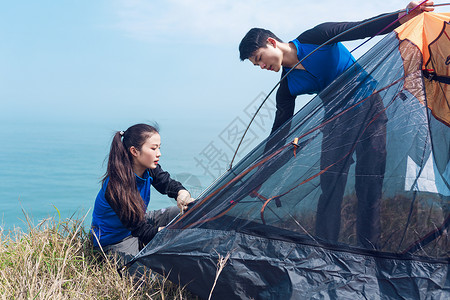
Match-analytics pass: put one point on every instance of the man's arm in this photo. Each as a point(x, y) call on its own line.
point(369, 27)
point(318, 35)
point(285, 104)
point(325, 31)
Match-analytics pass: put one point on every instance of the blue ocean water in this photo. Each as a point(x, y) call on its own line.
point(49, 168)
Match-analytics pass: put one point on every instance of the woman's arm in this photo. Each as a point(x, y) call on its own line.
point(164, 184)
point(143, 230)
point(174, 189)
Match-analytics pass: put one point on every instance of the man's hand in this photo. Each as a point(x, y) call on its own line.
point(183, 199)
point(427, 6)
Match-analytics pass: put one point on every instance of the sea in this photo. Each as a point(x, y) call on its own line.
point(54, 169)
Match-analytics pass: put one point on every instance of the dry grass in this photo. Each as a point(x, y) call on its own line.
point(403, 222)
point(56, 260)
point(220, 265)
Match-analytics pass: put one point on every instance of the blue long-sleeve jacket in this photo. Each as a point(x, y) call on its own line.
point(106, 224)
point(325, 65)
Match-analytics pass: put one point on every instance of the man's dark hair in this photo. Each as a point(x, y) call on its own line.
point(254, 39)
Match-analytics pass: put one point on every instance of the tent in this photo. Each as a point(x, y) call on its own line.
point(349, 199)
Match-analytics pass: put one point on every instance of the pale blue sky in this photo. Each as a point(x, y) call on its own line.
point(120, 62)
point(96, 66)
point(177, 59)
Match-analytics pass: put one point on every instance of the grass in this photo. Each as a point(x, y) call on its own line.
point(56, 260)
point(403, 223)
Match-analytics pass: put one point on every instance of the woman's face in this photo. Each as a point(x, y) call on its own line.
point(148, 156)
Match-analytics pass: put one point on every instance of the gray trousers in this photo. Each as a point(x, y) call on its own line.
point(130, 246)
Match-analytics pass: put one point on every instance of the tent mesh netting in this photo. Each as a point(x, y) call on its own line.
point(350, 197)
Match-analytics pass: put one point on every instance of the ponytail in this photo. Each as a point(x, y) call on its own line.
point(121, 191)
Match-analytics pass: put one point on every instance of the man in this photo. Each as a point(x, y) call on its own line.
point(313, 75)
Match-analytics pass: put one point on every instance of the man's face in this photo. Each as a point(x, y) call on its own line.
point(269, 57)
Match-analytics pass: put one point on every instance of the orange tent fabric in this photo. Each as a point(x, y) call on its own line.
point(430, 33)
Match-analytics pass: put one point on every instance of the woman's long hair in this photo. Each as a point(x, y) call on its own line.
point(122, 193)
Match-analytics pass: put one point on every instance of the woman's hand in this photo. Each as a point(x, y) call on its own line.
point(183, 199)
point(410, 13)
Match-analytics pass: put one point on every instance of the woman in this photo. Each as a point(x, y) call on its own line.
point(120, 223)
